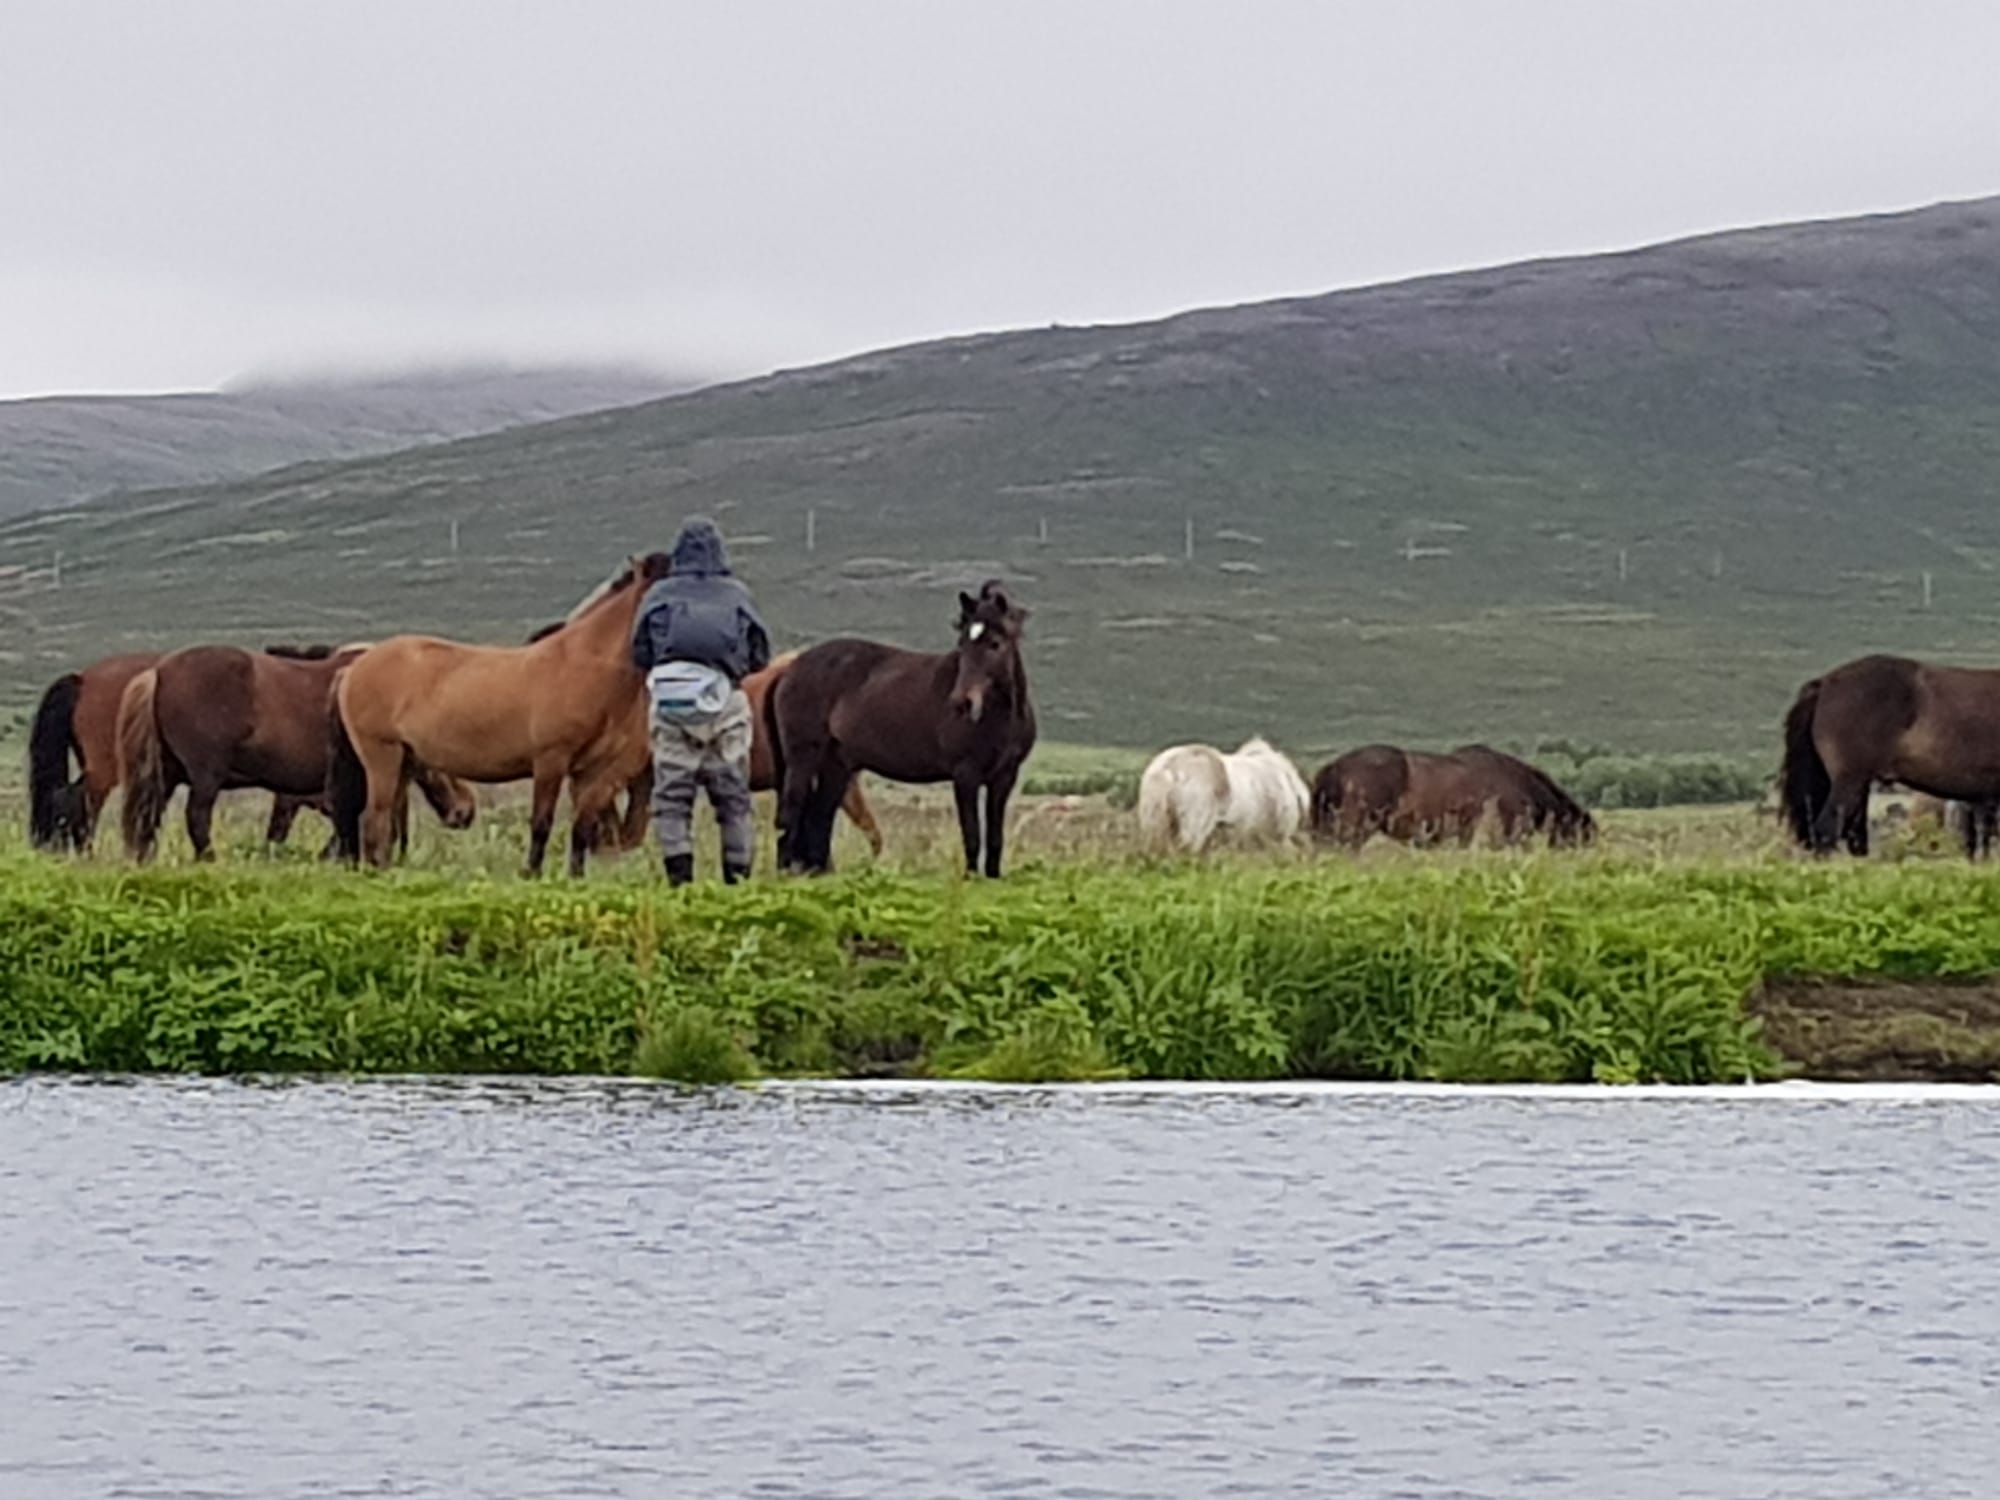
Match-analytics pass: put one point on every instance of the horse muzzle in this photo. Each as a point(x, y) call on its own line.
point(969, 706)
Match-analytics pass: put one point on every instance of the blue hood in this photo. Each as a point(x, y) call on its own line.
point(698, 550)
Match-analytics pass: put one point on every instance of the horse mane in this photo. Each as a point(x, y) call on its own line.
point(545, 632)
point(651, 566)
point(1255, 745)
point(302, 653)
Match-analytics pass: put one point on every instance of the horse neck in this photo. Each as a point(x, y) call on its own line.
point(603, 630)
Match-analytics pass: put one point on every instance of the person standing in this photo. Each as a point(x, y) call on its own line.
point(697, 636)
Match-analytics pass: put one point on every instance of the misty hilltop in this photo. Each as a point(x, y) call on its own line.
point(59, 450)
point(1631, 498)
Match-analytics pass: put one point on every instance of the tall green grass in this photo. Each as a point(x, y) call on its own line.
point(1469, 968)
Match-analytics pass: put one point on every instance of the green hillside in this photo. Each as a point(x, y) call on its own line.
point(1631, 499)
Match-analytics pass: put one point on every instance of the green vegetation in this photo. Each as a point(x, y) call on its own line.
point(1635, 498)
point(1646, 960)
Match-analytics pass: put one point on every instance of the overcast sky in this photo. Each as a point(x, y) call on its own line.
point(193, 191)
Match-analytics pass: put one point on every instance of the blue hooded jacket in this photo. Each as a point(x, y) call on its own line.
point(700, 612)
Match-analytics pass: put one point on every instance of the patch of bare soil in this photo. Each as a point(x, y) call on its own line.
point(1884, 1030)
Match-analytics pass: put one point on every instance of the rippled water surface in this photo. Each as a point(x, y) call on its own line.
point(577, 1290)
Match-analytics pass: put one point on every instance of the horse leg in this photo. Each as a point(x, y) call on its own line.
point(1846, 802)
point(998, 790)
point(965, 791)
point(802, 765)
point(200, 816)
point(593, 790)
point(855, 805)
point(284, 811)
point(549, 776)
point(382, 765)
point(828, 790)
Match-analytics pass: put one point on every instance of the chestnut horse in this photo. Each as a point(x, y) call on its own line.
point(1420, 798)
point(566, 708)
point(78, 715)
point(962, 716)
point(216, 718)
point(1888, 718)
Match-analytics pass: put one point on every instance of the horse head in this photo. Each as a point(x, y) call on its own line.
point(989, 650)
point(454, 801)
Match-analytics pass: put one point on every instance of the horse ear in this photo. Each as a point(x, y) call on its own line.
point(967, 607)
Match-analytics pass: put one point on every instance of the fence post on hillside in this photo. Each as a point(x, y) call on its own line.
point(1622, 571)
point(1715, 564)
point(1927, 588)
point(812, 530)
point(454, 536)
point(1187, 544)
point(55, 572)
point(1042, 531)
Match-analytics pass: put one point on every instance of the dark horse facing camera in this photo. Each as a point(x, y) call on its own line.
point(962, 716)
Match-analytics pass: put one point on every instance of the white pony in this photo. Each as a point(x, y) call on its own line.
point(1192, 792)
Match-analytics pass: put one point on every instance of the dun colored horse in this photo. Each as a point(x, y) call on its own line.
point(1420, 798)
point(962, 716)
point(217, 718)
point(566, 708)
point(1190, 793)
point(78, 716)
point(1888, 718)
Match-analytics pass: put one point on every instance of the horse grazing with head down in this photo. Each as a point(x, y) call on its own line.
point(219, 718)
point(1416, 797)
point(566, 708)
point(1889, 718)
point(962, 716)
point(1191, 793)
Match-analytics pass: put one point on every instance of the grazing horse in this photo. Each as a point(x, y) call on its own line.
point(1190, 793)
point(217, 718)
point(565, 708)
point(1887, 718)
point(1421, 798)
point(79, 715)
point(962, 716)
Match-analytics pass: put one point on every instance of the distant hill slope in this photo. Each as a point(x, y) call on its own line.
point(58, 450)
point(1631, 498)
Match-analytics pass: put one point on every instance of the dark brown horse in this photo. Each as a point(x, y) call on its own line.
point(216, 718)
point(1888, 718)
point(962, 716)
point(78, 716)
point(1416, 797)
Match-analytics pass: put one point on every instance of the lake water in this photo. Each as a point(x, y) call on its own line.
point(542, 1289)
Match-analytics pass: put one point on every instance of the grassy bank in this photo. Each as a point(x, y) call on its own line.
point(1482, 967)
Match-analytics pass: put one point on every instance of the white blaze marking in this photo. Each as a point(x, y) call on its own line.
point(976, 632)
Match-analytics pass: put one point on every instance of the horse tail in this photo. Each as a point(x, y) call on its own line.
point(1326, 795)
point(1803, 783)
point(774, 741)
point(1173, 810)
point(346, 783)
point(141, 764)
point(51, 799)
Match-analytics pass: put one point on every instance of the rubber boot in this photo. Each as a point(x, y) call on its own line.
point(735, 874)
point(680, 869)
